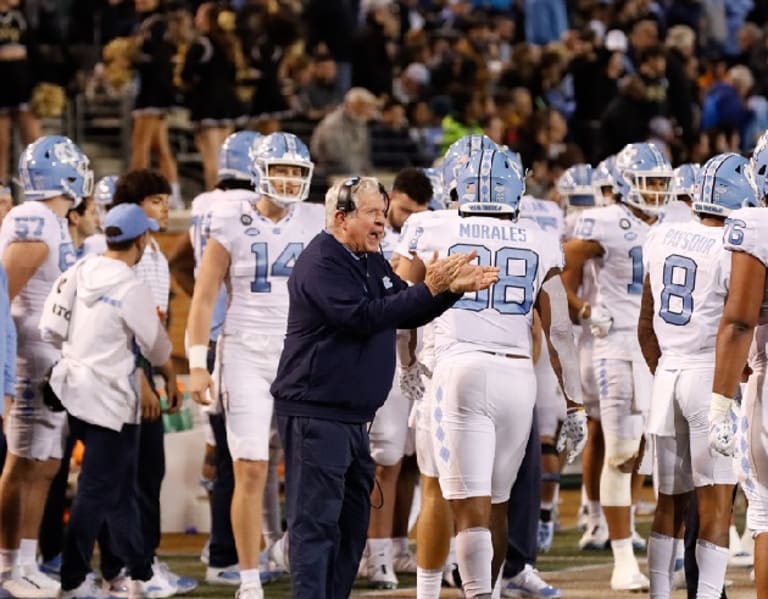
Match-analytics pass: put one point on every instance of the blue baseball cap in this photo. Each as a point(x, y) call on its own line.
point(131, 220)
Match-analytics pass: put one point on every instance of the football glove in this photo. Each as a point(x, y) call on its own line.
point(600, 321)
point(411, 383)
point(723, 424)
point(573, 433)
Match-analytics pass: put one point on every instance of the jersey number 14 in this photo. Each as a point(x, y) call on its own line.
point(281, 267)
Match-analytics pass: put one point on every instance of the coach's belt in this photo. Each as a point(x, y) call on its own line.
point(502, 355)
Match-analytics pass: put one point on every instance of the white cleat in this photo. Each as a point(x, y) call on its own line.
point(229, 576)
point(629, 580)
point(250, 591)
point(404, 563)
point(28, 582)
point(595, 538)
point(157, 587)
point(88, 589)
point(381, 575)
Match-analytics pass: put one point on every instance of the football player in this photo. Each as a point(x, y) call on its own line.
point(743, 325)
point(389, 434)
point(613, 237)
point(252, 246)
point(36, 249)
point(483, 350)
point(235, 183)
point(683, 295)
point(580, 191)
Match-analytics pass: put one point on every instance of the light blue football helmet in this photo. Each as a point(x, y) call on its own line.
point(458, 154)
point(490, 184)
point(644, 178)
point(439, 200)
point(685, 179)
point(604, 176)
point(281, 149)
point(52, 166)
point(234, 156)
point(723, 185)
point(104, 190)
point(576, 189)
point(513, 157)
point(759, 169)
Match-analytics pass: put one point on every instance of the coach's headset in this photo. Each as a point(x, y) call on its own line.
point(344, 201)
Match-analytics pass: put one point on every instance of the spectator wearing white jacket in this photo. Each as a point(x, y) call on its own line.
point(96, 381)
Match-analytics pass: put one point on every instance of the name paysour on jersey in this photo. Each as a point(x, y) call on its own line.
point(262, 255)
point(620, 270)
point(498, 319)
point(688, 269)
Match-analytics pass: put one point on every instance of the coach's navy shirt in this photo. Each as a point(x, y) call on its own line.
point(338, 360)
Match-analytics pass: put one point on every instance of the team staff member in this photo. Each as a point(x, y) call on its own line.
point(336, 370)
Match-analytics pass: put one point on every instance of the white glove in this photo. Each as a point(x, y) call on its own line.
point(411, 383)
point(573, 433)
point(600, 321)
point(723, 424)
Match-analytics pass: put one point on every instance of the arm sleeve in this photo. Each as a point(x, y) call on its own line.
point(338, 296)
point(561, 336)
point(149, 333)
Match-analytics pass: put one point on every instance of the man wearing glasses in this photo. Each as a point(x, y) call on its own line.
point(336, 369)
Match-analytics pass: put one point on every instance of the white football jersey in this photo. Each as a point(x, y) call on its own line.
point(407, 241)
point(498, 319)
point(262, 255)
point(548, 214)
point(94, 244)
point(34, 221)
point(676, 212)
point(689, 269)
point(389, 242)
point(746, 230)
point(620, 272)
point(202, 204)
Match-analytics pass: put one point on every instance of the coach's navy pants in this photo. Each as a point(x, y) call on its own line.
point(524, 507)
point(105, 493)
point(328, 481)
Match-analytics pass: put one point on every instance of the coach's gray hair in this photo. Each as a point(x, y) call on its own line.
point(332, 196)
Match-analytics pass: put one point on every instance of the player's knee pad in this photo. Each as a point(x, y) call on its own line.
point(620, 452)
point(386, 453)
point(616, 479)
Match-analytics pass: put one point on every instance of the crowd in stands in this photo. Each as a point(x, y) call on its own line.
point(383, 84)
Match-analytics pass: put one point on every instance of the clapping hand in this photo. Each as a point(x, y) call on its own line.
point(456, 274)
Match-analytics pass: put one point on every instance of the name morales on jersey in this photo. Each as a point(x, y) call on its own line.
point(688, 241)
point(491, 231)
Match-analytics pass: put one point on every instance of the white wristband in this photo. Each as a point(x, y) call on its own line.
point(198, 356)
point(719, 404)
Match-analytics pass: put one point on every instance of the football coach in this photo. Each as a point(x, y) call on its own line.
point(336, 369)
